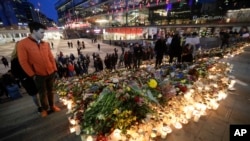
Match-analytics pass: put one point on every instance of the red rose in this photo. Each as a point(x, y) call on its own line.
point(101, 138)
point(182, 88)
point(137, 99)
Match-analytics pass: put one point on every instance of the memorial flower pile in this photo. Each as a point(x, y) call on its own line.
point(145, 103)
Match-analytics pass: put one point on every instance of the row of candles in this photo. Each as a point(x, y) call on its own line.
point(204, 94)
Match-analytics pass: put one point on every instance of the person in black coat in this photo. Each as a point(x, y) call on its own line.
point(138, 53)
point(5, 62)
point(26, 81)
point(2, 87)
point(160, 49)
point(187, 55)
point(98, 46)
point(175, 49)
point(224, 39)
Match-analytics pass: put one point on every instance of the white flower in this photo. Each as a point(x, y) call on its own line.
point(160, 95)
point(115, 80)
point(101, 117)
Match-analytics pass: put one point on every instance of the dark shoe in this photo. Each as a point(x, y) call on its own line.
point(39, 109)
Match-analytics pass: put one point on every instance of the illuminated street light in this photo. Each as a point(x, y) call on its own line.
point(77, 12)
point(38, 11)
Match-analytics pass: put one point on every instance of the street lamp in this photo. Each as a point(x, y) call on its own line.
point(37, 10)
point(76, 12)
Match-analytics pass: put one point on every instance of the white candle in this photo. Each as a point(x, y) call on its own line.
point(199, 88)
point(188, 95)
point(196, 116)
point(77, 129)
point(200, 106)
point(207, 88)
point(221, 95)
point(65, 102)
point(166, 128)
point(89, 138)
point(116, 135)
point(69, 105)
point(177, 125)
point(189, 114)
point(215, 105)
point(189, 111)
point(183, 120)
point(148, 117)
point(72, 121)
point(72, 129)
point(215, 85)
point(153, 133)
point(164, 135)
point(203, 112)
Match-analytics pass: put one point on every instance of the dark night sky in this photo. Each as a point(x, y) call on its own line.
point(46, 7)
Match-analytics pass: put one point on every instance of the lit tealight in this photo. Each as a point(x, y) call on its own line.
point(89, 138)
point(221, 95)
point(177, 125)
point(72, 129)
point(72, 121)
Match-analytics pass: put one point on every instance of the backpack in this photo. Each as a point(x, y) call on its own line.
point(16, 69)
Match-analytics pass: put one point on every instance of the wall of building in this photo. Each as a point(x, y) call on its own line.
point(7, 36)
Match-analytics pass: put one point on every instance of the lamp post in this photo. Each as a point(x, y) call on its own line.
point(76, 12)
point(37, 12)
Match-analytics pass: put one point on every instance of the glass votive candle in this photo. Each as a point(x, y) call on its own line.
point(196, 116)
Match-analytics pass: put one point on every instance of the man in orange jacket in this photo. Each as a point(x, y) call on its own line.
point(37, 61)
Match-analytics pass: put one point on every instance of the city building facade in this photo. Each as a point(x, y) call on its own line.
point(18, 13)
point(142, 19)
point(15, 16)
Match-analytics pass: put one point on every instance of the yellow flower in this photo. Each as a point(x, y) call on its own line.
point(95, 96)
point(152, 83)
point(128, 89)
point(134, 118)
point(116, 111)
point(129, 112)
point(183, 81)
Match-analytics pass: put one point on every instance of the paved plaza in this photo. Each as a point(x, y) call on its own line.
point(61, 45)
point(19, 120)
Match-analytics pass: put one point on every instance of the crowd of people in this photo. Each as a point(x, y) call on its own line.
point(130, 57)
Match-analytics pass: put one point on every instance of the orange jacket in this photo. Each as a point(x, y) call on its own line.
point(35, 58)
